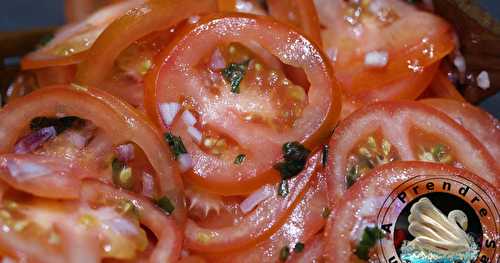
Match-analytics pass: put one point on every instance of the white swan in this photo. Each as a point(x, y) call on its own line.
point(435, 232)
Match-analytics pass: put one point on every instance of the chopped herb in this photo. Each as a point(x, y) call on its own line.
point(283, 188)
point(352, 175)
point(60, 124)
point(122, 174)
point(299, 247)
point(369, 238)
point(324, 159)
point(165, 204)
point(295, 155)
point(239, 159)
point(234, 74)
point(326, 212)
point(413, 2)
point(176, 145)
point(284, 253)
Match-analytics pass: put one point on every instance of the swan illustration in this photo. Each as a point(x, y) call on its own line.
point(437, 237)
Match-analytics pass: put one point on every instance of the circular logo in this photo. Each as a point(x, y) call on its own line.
point(444, 219)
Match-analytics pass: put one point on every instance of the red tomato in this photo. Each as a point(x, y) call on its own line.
point(441, 87)
point(222, 124)
point(70, 44)
point(106, 223)
point(153, 15)
point(122, 123)
point(388, 131)
point(361, 204)
point(258, 224)
point(301, 225)
point(356, 31)
point(485, 127)
point(313, 252)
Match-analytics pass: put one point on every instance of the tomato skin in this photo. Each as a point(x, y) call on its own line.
point(153, 16)
point(380, 183)
point(313, 252)
point(395, 119)
point(256, 226)
point(441, 87)
point(481, 124)
point(105, 111)
point(243, 28)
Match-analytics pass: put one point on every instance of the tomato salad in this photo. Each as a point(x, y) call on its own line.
point(230, 130)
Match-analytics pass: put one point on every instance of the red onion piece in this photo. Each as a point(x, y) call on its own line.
point(257, 197)
point(34, 140)
point(217, 61)
point(125, 152)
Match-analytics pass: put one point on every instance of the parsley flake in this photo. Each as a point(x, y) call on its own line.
point(166, 205)
point(176, 145)
point(369, 238)
point(234, 74)
point(239, 159)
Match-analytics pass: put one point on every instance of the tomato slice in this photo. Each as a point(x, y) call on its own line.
point(115, 118)
point(154, 15)
point(70, 44)
point(300, 13)
point(313, 251)
point(300, 226)
point(363, 201)
point(370, 44)
point(388, 131)
point(257, 225)
point(480, 123)
point(256, 122)
point(441, 87)
point(105, 224)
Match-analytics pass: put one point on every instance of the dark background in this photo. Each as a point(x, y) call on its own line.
point(27, 14)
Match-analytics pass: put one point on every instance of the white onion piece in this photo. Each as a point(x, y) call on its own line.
point(483, 80)
point(23, 170)
point(77, 139)
point(217, 61)
point(185, 162)
point(125, 152)
point(195, 133)
point(168, 111)
point(377, 59)
point(148, 185)
point(459, 62)
point(193, 19)
point(257, 197)
point(188, 118)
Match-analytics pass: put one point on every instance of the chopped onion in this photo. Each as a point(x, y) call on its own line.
point(185, 162)
point(483, 80)
point(188, 118)
point(195, 133)
point(459, 62)
point(148, 185)
point(125, 152)
point(77, 139)
point(257, 197)
point(168, 111)
point(23, 170)
point(217, 61)
point(377, 59)
point(193, 19)
point(34, 140)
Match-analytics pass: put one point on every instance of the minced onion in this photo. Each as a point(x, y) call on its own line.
point(188, 118)
point(195, 133)
point(168, 111)
point(185, 162)
point(257, 197)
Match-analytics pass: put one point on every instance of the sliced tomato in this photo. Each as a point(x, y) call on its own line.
point(242, 6)
point(70, 44)
point(154, 15)
point(105, 224)
point(268, 112)
point(388, 131)
point(362, 203)
point(483, 125)
point(77, 10)
point(441, 87)
point(301, 225)
point(258, 224)
point(122, 123)
point(300, 13)
point(371, 45)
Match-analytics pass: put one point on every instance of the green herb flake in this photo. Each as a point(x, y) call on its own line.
point(234, 74)
point(122, 174)
point(324, 157)
point(239, 159)
point(352, 175)
point(165, 204)
point(299, 247)
point(369, 238)
point(326, 212)
point(284, 253)
point(295, 155)
point(283, 189)
point(176, 145)
point(44, 40)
